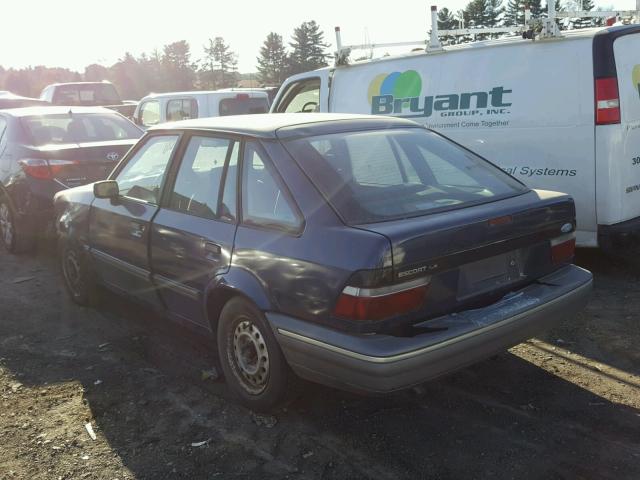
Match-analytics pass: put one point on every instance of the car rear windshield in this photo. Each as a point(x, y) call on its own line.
point(97, 94)
point(378, 175)
point(243, 105)
point(79, 128)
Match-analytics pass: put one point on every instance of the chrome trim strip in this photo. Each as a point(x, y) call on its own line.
point(177, 287)
point(420, 351)
point(381, 291)
point(121, 264)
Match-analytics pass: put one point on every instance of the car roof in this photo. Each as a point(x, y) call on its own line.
point(223, 92)
point(53, 110)
point(102, 82)
point(266, 125)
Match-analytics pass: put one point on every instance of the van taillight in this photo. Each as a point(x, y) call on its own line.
point(563, 248)
point(607, 101)
point(44, 169)
point(384, 302)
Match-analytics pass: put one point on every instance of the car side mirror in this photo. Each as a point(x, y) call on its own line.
point(106, 189)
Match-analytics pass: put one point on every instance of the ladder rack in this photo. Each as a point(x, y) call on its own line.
point(546, 28)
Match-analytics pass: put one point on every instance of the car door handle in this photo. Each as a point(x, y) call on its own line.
point(137, 230)
point(212, 250)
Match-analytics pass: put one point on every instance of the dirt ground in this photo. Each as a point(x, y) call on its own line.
point(565, 406)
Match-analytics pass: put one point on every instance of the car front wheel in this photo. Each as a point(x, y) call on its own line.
point(253, 364)
point(78, 278)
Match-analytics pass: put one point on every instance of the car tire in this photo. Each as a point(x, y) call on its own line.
point(78, 277)
point(13, 239)
point(252, 361)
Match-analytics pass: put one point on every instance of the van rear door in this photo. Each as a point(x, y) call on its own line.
point(617, 133)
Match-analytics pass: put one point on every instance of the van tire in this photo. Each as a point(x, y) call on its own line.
point(14, 239)
point(252, 361)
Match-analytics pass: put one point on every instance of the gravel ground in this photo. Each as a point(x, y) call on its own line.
point(564, 406)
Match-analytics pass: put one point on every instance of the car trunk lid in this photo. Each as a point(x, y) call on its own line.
point(76, 164)
point(473, 256)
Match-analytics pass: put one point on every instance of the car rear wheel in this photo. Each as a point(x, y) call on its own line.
point(78, 278)
point(251, 359)
point(13, 239)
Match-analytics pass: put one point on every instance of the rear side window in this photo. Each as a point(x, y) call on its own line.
point(197, 185)
point(149, 113)
point(378, 175)
point(79, 128)
point(303, 96)
point(264, 201)
point(182, 109)
point(243, 105)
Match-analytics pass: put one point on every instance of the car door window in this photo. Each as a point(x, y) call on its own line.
point(303, 96)
point(263, 199)
point(181, 109)
point(197, 186)
point(142, 176)
point(150, 113)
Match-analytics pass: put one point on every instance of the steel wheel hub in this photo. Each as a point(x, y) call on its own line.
point(6, 225)
point(251, 356)
point(72, 270)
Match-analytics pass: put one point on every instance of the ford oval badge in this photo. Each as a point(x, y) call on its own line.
point(113, 156)
point(566, 228)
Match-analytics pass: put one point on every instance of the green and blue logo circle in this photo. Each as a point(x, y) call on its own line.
point(399, 84)
point(635, 77)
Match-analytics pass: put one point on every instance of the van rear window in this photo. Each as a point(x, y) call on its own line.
point(378, 175)
point(243, 105)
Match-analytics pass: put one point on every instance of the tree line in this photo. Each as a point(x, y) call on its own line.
point(497, 13)
point(173, 68)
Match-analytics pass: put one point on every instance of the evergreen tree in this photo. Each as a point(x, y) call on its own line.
point(308, 48)
point(535, 6)
point(514, 13)
point(177, 67)
point(447, 21)
point(220, 65)
point(493, 13)
point(272, 62)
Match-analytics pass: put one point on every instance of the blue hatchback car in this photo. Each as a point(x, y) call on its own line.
point(365, 253)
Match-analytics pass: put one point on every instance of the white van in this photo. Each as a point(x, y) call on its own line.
point(173, 106)
point(559, 114)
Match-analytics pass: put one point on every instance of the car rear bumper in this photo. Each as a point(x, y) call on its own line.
point(384, 363)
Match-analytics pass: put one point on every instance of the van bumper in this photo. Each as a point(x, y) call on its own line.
point(384, 363)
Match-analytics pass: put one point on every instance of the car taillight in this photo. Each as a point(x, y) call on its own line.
point(563, 248)
point(44, 169)
point(607, 101)
point(242, 96)
point(379, 303)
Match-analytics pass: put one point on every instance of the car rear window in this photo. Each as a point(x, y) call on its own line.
point(97, 94)
point(243, 105)
point(79, 128)
point(378, 175)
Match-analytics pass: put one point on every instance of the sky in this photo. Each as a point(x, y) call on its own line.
point(76, 33)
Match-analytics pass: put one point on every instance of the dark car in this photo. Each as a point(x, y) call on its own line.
point(46, 149)
point(365, 253)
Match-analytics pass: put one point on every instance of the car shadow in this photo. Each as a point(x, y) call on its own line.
point(152, 396)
